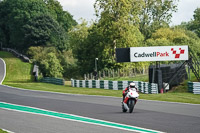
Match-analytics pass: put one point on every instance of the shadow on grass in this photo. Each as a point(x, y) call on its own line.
point(20, 82)
point(4, 54)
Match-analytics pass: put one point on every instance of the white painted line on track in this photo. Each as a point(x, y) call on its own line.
point(169, 102)
point(8, 131)
point(4, 71)
point(60, 92)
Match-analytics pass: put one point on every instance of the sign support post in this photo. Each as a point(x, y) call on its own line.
point(159, 77)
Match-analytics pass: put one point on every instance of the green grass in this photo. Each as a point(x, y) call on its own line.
point(19, 75)
point(17, 71)
point(67, 89)
point(173, 97)
point(1, 131)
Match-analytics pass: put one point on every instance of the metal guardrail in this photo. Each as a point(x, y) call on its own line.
point(17, 54)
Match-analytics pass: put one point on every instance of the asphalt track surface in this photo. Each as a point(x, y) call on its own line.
point(20, 122)
point(161, 116)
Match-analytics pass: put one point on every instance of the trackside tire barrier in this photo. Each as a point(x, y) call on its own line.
point(56, 81)
point(194, 87)
point(144, 87)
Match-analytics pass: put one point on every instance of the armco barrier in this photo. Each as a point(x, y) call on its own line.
point(57, 81)
point(21, 56)
point(144, 87)
point(194, 87)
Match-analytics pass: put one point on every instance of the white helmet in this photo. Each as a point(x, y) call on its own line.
point(132, 85)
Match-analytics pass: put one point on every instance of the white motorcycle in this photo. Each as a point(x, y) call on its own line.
point(132, 99)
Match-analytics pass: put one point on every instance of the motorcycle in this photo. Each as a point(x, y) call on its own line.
point(132, 99)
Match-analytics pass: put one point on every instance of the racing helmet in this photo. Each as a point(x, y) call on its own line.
point(132, 85)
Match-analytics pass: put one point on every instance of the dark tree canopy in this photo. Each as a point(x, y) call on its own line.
point(16, 13)
point(194, 25)
point(43, 30)
point(16, 17)
point(64, 18)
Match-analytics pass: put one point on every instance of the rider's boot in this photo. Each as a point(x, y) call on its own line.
point(125, 106)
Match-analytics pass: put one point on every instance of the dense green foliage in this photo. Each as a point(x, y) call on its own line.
point(156, 14)
point(52, 62)
point(85, 45)
point(194, 25)
point(64, 18)
point(14, 15)
point(61, 47)
point(34, 23)
point(174, 36)
point(24, 24)
point(118, 26)
point(44, 31)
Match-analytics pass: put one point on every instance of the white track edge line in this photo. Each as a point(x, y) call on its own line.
point(4, 71)
point(7, 130)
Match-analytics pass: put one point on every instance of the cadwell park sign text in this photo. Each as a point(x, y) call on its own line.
point(160, 53)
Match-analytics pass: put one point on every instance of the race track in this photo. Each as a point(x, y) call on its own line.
point(160, 116)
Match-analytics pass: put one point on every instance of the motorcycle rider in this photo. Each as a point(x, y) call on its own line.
point(125, 91)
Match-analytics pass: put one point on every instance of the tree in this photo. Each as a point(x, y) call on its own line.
point(43, 30)
point(194, 25)
point(175, 36)
point(69, 64)
point(77, 35)
point(51, 66)
point(65, 61)
point(156, 14)
point(14, 14)
point(86, 46)
point(118, 24)
point(64, 18)
point(48, 60)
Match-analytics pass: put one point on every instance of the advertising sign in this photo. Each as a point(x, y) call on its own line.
point(158, 53)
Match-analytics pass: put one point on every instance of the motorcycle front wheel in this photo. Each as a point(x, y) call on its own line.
point(131, 105)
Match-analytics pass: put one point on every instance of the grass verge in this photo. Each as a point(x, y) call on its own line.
point(22, 79)
point(17, 71)
point(1, 131)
